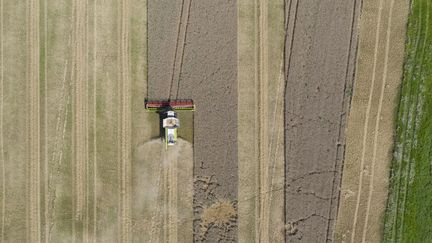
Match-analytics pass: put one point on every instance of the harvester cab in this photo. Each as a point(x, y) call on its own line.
point(167, 110)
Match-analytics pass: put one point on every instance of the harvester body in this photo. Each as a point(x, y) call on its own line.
point(167, 110)
point(170, 124)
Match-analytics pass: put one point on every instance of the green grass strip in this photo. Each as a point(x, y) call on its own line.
point(408, 216)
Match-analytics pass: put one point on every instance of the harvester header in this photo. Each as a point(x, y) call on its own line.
point(162, 105)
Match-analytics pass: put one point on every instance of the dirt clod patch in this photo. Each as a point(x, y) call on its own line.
point(221, 215)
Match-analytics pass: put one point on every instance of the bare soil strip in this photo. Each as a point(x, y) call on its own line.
point(365, 176)
point(34, 121)
point(260, 98)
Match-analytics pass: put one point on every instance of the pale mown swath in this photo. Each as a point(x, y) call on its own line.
point(34, 121)
point(260, 121)
point(366, 170)
point(163, 182)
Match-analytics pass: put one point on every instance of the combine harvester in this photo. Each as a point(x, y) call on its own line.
point(167, 110)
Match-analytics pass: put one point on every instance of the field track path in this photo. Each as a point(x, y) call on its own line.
point(34, 121)
point(366, 123)
point(365, 182)
point(377, 121)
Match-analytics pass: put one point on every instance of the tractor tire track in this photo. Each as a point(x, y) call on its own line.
point(176, 48)
point(183, 48)
point(180, 48)
point(34, 120)
point(366, 123)
point(125, 133)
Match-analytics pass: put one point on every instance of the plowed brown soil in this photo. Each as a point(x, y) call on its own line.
point(320, 61)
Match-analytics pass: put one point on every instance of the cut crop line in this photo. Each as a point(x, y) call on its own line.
point(125, 125)
point(335, 171)
point(405, 117)
point(377, 121)
point(95, 121)
point(3, 209)
point(414, 121)
point(73, 149)
point(118, 109)
point(87, 125)
point(46, 159)
point(34, 119)
point(366, 123)
point(80, 108)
